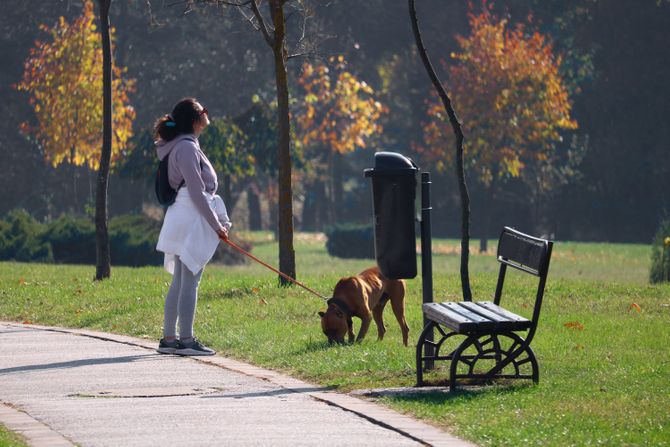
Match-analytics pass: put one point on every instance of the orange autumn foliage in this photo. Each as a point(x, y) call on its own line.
point(339, 111)
point(510, 96)
point(63, 77)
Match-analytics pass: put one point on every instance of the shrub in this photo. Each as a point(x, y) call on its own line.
point(132, 240)
point(225, 254)
point(660, 254)
point(22, 239)
point(72, 239)
point(351, 241)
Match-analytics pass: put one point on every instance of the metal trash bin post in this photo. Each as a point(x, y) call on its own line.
point(394, 192)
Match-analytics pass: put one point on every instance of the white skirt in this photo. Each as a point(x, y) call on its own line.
point(186, 233)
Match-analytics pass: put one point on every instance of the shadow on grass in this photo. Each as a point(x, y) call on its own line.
point(228, 294)
point(439, 394)
point(313, 346)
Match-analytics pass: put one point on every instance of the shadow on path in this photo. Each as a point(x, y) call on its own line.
point(78, 363)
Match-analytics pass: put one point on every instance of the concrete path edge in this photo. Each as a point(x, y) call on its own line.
point(38, 434)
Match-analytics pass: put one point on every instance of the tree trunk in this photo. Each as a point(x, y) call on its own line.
point(486, 219)
point(336, 173)
point(102, 263)
point(285, 212)
point(75, 202)
point(310, 207)
point(254, 204)
point(228, 196)
point(460, 173)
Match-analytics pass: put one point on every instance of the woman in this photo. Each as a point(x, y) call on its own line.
point(193, 225)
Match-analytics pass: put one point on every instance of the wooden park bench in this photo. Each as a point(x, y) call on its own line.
point(492, 348)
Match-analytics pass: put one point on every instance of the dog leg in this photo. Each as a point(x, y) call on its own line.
point(350, 332)
point(398, 306)
point(365, 325)
point(378, 314)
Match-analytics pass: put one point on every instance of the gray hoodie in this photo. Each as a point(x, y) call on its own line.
point(187, 162)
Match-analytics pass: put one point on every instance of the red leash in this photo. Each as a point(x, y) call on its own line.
point(246, 253)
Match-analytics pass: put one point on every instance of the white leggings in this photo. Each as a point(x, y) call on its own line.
point(180, 301)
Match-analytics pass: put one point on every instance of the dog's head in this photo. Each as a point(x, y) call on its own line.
point(334, 323)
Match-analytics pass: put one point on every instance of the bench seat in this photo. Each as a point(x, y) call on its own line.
point(468, 317)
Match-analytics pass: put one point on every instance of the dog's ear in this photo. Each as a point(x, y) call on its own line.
point(322, 314)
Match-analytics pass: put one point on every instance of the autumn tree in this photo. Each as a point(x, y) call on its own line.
point(64, 77)
point(515, 108)
point(337, 115)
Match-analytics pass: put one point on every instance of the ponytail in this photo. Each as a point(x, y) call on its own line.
point(165, 128)
point(179, 122)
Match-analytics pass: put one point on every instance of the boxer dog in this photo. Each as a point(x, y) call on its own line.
point(363, 296)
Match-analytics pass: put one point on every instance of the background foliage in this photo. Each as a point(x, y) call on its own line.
point(612, 65)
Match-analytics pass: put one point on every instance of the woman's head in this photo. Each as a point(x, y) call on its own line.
point(187, 117)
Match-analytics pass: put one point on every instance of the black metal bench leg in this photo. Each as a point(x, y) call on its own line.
point(419, 352)
point(456, 356)
point(511, 358)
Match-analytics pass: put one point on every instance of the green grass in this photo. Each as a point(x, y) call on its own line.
point(10, 439)
point(605, 384)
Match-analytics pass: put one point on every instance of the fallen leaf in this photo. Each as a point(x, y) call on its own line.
point(635, 306)
point(262, 301)
point(574, 325)
point(22, 281)
point(578, 347)
point(27, 322)
point(255, 290)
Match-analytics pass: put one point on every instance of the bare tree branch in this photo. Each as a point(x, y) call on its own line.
point(261, 23)
point(305, 54)
point(458, 132)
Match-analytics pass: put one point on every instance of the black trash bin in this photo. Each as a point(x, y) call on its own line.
point(393, 193)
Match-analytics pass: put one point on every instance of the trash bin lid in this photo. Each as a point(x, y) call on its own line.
point(392, 163)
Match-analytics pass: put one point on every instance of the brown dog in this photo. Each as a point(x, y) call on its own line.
point(355, 297)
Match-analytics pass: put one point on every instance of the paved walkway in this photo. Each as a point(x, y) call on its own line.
point(61, 387)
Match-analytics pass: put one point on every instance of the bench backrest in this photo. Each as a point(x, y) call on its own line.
point(524, 252)
point(528, 254)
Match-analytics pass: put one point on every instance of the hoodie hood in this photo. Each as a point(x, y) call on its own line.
point(163, 148)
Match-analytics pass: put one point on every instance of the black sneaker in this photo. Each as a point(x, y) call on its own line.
point(167, 347)
point(193, 347)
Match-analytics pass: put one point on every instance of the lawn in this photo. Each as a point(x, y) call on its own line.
point(603, 381)
point(10, 439)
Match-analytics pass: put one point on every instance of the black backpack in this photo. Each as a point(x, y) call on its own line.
point(164, 193)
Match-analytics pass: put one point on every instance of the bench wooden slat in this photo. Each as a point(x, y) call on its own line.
point(481, 310)
point(500, 311)
point(456, 317)
point(442, 314)
point(484, 316)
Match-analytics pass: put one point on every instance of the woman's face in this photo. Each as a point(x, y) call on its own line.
point(203, 121)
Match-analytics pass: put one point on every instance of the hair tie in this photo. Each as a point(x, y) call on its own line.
point(170, 123)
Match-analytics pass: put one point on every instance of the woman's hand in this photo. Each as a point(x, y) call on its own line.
point(223, 234)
